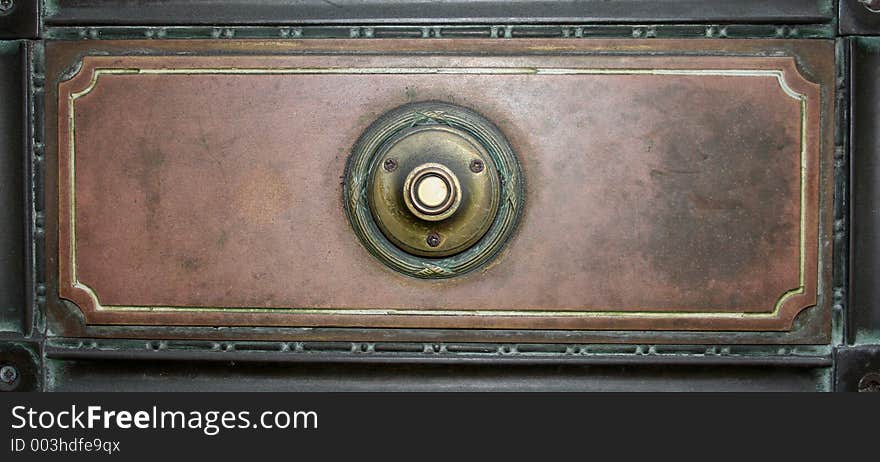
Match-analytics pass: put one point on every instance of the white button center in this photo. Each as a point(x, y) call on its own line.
point(432, 191)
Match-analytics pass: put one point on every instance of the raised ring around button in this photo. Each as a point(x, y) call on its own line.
point(433, 190)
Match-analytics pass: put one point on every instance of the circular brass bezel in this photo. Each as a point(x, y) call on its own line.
point(473, 201)
point(501, 167)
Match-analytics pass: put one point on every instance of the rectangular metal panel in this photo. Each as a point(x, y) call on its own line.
point(105, 376)
point(205, 189)
point(864, 307)
point(171, 12)
point(13, 129)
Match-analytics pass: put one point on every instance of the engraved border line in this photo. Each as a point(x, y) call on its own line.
point(779, 75)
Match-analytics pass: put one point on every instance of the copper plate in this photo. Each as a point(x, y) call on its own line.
point(681, 185)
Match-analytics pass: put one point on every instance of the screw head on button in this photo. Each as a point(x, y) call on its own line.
point(390, 165)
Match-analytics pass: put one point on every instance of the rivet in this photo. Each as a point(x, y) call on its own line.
point(870, 383)
point(8, 374)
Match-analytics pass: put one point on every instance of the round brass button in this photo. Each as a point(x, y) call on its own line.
point(433, 203)
point(433, 190)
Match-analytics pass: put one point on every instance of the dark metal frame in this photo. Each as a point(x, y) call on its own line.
point(859, 17)
point(459, 360)
point(242, 12)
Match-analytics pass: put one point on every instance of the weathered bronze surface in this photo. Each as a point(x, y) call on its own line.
point(664, 191)
point(433, 193)
point(453, 145)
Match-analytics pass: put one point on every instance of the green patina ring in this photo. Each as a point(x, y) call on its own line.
point(362, 160)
